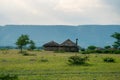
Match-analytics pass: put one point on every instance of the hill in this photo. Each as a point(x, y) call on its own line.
point(98, 35)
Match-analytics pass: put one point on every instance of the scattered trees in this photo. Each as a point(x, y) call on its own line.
point(116, 44)
point(107, 47)
point(92, 47)
point(23, 40)
point(32, 45)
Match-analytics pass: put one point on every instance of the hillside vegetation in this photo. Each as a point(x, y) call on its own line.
point(45, 65)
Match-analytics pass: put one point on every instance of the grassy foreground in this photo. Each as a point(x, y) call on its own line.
point(57, 66)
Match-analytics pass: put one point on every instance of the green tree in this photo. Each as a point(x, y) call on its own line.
point(32, 45)
point(22, 41)
point(116, 44)
point(92, 47)
point(107, 47)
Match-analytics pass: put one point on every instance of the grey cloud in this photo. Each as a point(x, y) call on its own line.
point(114, 3)
point(49, 12)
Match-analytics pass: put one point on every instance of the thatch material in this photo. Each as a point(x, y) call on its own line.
point(51, 43)
point(67, 46)
point(51, 46)
point(68, 43)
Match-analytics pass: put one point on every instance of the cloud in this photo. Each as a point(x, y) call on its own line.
point(114, 3)
point(25, 12)
point(59, 12)
point(76, 5)
point(87, 12)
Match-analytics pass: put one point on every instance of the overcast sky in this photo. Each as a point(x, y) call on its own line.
point(55, 12)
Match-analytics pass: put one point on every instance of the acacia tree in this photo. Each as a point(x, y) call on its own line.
point(107, 47)
point(91, 47)
point(32, 45)
point(116, 44)
point(22, 41)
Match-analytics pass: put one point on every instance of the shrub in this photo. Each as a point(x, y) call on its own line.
point(91, 47)
point(117, 51)
point(99, 51)
point(43, 59)
point(109, 59)
point(106, 51)
point(8, 77)
point(85, 52)
point(24, 53)
point(88, 51)
point(82, 49)
point(78, 60)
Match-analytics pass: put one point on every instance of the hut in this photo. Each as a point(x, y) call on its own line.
point(51, 46)
point(69, 46)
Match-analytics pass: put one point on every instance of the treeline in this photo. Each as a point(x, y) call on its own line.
point(115, 48)
point(13, 47)
point(24, 42)
point(111, 51)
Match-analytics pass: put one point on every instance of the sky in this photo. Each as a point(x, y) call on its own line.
point(57, 12)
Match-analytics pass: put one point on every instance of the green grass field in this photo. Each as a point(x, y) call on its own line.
point(57, 66)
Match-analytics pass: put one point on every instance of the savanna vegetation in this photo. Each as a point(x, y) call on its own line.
point(109, 49)
point(45, 65)
point(93, 63)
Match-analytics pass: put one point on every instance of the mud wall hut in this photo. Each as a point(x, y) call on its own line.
point(51, 46)
point(67, 46)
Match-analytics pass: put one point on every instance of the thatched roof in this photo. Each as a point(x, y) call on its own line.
point(68, 43)
point(51, 43)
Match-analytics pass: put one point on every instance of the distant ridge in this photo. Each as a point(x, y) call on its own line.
point(98, 35)
point(40, 25)
point(63, 25)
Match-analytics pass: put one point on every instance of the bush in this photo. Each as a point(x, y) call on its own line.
point(78, 60)
point(109, 59)
point(8, 77)
point(117, 51)
point(25, 53)
point(43, 59)
point(91, 47)
point(106, 51)
point(88, 51)
point(82, 49)
point(85, 52)
point(99, 51)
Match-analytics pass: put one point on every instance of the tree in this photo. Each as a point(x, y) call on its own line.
point(22, 41)
point(107, 47)
point(116, 44)
point(91, 47)
point(32, 45)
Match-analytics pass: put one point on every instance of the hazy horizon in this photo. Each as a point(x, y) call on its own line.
point(98, 35)
point(60, 13)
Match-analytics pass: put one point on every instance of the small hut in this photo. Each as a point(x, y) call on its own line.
point(51, 46)
point(69, 46)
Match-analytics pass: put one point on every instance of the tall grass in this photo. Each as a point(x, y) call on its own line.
point(57, 67)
